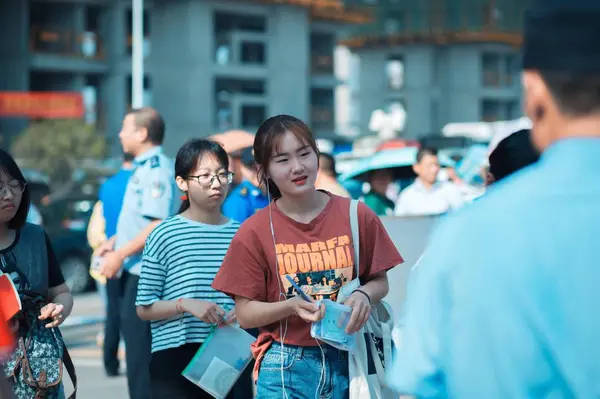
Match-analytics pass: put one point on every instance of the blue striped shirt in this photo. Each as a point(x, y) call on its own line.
point(181, 259)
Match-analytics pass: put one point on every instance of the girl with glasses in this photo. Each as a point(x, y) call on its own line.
point(26, 254)
point(181, 258)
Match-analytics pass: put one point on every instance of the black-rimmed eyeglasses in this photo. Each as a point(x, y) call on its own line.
point(207, 179)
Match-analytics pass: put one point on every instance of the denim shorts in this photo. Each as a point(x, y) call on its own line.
point(307, 373)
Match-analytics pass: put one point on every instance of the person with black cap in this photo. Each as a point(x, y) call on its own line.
point(512, 154)
point(502, 302)
point(247, 197)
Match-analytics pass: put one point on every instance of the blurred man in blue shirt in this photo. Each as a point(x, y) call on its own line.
point(112, 193)
point(111, 197)
point(248, 197)
point(502, 303)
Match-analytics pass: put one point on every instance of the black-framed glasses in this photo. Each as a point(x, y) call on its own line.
point(14, 186)
point(207, 179)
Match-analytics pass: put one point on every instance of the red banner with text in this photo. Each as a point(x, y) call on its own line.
point(49, 105)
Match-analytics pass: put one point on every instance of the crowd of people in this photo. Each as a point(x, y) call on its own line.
point(172, 275)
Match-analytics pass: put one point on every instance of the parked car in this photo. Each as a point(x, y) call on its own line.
point(66, 222)
point(73, 255)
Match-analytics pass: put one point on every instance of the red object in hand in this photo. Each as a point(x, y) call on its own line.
point(10, 303)
point(7, 340)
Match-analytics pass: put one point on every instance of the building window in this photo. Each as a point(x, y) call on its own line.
point(229, 93)
point(499, 70)
point(252, 53)
point(230, 43)
point(394, 71)
point(491, 70)
point(52, 29)
point(322, 108)
point(499, 110)
point(253, 115)
point(322, 46)
point(512, 70)
point(229, 22)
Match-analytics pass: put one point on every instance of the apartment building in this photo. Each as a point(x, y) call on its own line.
point(444, 61)
point(210, 65)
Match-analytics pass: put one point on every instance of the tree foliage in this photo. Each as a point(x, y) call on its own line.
point(58, 146)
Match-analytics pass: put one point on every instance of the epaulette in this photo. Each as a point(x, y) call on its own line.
point(154, 162)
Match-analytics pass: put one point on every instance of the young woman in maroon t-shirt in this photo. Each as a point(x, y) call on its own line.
point(304, 234)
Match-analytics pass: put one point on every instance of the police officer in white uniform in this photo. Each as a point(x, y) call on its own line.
point(149, 198)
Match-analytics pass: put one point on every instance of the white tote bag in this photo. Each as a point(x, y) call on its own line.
point(373, 352)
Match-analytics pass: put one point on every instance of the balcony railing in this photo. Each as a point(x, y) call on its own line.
point(322, 64)
point(459, 20)
point(66, 42)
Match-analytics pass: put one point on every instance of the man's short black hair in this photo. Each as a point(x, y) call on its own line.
point(576, 94)
point(423, 151)
point(512, 154)
point(9, 166)
point(327, 163)
point(150, 119)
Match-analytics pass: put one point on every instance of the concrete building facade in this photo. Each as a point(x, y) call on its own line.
point(445, 61)
point(209, 65)
point(438, 85)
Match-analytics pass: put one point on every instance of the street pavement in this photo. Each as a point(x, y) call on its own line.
point(80, 331)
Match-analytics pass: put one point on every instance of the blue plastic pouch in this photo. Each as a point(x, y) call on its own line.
point(331, 329)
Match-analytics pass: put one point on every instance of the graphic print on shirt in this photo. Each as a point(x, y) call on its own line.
point(319, 268)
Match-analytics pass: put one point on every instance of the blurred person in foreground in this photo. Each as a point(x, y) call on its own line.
point(149, 198)
point(499, 304)
point(102, 225)
point(327, 176)
point(427, 195)
point(376, 198)
point(248, 196)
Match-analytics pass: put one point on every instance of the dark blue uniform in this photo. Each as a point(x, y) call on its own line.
point(244, 201)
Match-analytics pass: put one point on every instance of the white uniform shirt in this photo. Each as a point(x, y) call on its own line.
point(416, 199)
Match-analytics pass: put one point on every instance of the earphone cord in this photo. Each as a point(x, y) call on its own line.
point(282, 331)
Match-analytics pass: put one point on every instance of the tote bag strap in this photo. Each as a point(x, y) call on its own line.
point(355, 235)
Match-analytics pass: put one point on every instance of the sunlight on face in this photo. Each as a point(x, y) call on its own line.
point(293, 166)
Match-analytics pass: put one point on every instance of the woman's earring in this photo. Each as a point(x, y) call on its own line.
point(184, 197)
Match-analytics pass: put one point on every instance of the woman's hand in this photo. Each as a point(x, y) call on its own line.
point(361, 310)
point(208, 312)
point(54, 312)
point(308, 311)
point(230, 317)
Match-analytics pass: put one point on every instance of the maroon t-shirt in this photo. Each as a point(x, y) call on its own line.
point(317, 255)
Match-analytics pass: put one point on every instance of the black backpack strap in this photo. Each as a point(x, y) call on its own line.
point(71, 370)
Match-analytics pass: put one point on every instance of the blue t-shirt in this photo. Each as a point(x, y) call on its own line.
point(111, 196)
point(502, 303)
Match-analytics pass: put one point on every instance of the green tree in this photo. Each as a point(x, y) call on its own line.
point(58, 147)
